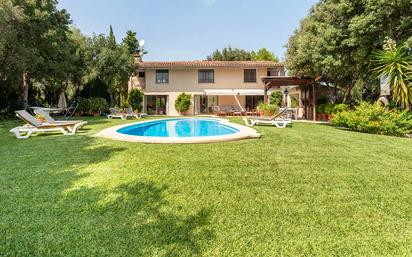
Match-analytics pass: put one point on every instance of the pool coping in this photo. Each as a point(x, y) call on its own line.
point(244, 133)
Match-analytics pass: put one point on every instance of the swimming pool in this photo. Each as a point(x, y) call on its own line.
point(179, 130)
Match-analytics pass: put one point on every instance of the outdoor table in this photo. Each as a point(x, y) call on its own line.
point(48, 110)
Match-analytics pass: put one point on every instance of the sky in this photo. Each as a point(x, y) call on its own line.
point(192, 29)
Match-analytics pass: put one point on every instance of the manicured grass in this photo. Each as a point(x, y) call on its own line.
point(306, 190)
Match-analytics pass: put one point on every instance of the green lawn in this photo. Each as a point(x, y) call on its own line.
point(306, 190)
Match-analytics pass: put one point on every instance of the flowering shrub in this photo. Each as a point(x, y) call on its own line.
point(375, 119)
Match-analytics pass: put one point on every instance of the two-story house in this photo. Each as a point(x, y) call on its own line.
point(212, 84)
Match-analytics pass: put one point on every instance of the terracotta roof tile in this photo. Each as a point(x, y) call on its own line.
point(208, 64)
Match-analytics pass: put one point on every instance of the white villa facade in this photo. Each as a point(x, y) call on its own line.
point(213, 85)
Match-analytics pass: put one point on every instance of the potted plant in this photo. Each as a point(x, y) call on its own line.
point(267, 109)
point(41, 117)
point(320, 109)
point(328, 111)
point(183, 102)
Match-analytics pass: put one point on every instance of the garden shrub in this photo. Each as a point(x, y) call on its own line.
point(135, 99)
point(375, 119)
point(337, 108)
point(276, 98)
point(97, 105)
point(83, 107)
point(183, 102)
point(331, 108)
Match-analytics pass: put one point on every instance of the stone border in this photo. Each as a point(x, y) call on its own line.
point(244, 132)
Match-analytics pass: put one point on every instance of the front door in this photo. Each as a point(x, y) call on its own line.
point(156, 104)
point(200, 104)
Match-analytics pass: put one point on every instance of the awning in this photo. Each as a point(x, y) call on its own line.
point(249, 91)
point(234, 92)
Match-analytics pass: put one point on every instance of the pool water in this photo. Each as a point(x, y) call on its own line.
point(189, 127)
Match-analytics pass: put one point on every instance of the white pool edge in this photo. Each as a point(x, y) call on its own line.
point(244, 133)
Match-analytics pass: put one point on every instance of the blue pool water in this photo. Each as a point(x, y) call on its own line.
point(196, 127)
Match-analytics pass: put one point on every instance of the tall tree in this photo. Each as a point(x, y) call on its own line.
point(111, 39)
point(338, 37)
point(111, 63)
point(230, 54)
point(40, 32)
point(131, 42)
point(264, 55)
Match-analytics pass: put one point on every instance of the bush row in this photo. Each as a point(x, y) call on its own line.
point(331, 108)
point(92, 106)
point(375, 119)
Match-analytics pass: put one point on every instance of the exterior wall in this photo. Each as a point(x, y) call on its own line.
point(186, 80)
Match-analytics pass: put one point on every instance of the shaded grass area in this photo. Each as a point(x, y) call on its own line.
point(306, 190)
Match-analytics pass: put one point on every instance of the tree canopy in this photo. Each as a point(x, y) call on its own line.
point(230, 54)
point(264, 55)
point(337, 38)
point(237, 54)
point(42, 55)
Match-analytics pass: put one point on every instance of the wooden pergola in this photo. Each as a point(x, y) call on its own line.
point(306, 84)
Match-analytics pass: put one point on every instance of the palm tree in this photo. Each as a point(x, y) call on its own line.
point(395, 63)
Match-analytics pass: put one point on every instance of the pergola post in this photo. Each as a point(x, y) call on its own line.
point(305, 104)
point(265, 94)
point(313, 102)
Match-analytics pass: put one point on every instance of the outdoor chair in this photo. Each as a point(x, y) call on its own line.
point(219, 112)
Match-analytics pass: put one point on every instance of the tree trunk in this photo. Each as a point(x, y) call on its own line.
point(347, 92)
point(111, 97)
point(25, 91)
point(335, 94)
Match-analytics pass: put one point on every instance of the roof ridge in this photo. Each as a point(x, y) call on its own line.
point(205, 63)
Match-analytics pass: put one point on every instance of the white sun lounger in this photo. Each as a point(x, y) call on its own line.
point(277, 120)
point(133, 114)
point(49, 119)
point(114, 113)
point(35, 126)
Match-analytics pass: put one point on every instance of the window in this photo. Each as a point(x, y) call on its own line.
point(273, 72)
point(206, 76)
point(250, 75)
point(142, 74)
point(162, 76)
